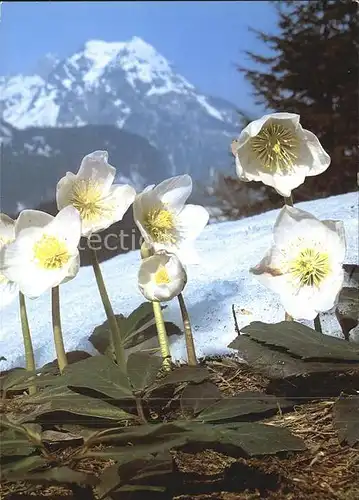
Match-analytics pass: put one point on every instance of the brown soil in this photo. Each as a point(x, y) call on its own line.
point(327, 470)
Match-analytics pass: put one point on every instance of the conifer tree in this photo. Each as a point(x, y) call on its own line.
point(313, 71)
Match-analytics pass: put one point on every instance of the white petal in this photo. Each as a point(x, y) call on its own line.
point(293, 222)
point(73, 269)
point(17, 264)
point(64, 190)
point(191, 221)
point(163, 292)
point(175, 191)
point(32, 218)
point(96, 167)
point(335, 240)
point(7, 228)
point(123, 196)
point(8, 292)
point(67, 226)
point(253, 128)
point(300, 305)
point(320, 159)
point(248, 167)
point(284, 183)
point(330, 289)
point(142, 203)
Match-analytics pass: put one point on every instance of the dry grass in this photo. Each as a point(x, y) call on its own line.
point(327, 470)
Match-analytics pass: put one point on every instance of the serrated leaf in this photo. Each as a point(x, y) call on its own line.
point(248, 439)
point(15, 443)
point(346, 419)
point(182, 374)
point(196, 397)
point(149, 331)
point(52, 436)
point(135, 471)
point(101, 336)
point(245, 439)
point(248, 403)
point(100, 374)
point(19, 468)
point(12, 378)
point(301, 341)
point(142, 369)
point(139, 434)
point(278, 365)
point(61, 475)
point(63, 399)
point(138, 317)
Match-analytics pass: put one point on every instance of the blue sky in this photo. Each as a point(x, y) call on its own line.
point(204, 40)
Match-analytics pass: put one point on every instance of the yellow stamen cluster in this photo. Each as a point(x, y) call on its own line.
point(50, 253)
point(160, 224)
point(87, 198)
point(310, 267)
point(161, 276)
point(4, 241)
point(276, 147)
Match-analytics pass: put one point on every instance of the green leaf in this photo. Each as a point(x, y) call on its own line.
point(101, 336)
point(2, 358)
point(196, 397)
point(15, 443)
point(136, 329)
point(149, 331)
point(13, 377)
point(346, 420)
point(248, 439)
point(16, 470)
point(246, 404)
point(275, 364)
point(347, 310)
point(63, 399)
point(142, 369)
point(182, 374)
point(300, 341)
point(135, 471)
point(100, 374)
point(138, 317)
point(61, 475)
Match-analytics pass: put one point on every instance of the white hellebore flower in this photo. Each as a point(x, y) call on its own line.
point(163, 218)
point(305, 264)
point(277, 151)
point(91, 192)
point(161, 277)
point(44, 252)
point(8, 289)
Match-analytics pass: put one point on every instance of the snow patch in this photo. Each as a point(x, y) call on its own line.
point(220, 279)
point(210, 109)
point(67, 83)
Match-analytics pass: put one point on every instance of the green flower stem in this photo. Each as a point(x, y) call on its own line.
point(191, 351)
point(160, 324)
point(162, 335)
point(29, 352)
point(289, 201)
point(56, 326)
point(115, 329)
point(317, 324)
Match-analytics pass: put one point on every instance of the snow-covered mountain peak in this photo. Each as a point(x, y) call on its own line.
point(129, 85)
